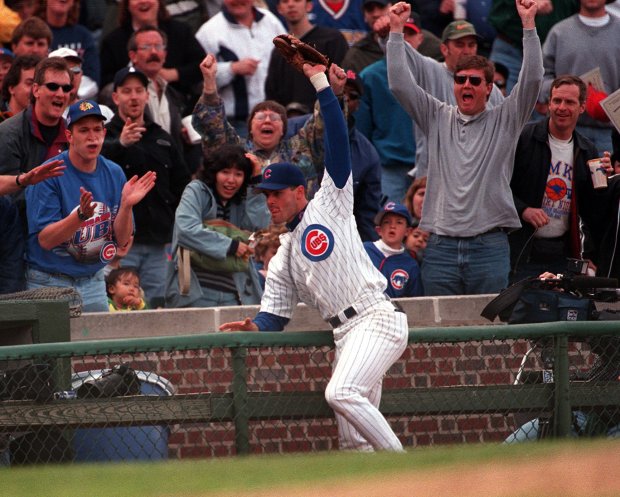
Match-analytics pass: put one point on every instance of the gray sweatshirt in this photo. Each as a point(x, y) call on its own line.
point(438, 80)
point(471, 160)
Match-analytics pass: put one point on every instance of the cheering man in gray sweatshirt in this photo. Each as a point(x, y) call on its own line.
point(468, 206)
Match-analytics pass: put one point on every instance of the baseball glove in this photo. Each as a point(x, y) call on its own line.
point(297, 53)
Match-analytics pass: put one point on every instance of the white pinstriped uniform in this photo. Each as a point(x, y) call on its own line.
point(329, 269)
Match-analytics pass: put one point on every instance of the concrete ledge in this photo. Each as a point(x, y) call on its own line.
point(421, 311)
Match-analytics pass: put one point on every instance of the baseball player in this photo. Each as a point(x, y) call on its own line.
point(322, 262)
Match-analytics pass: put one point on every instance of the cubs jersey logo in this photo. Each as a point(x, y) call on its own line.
point(90, 243)
point(336, 9)
point(317, 242)
point(399, 278)
point(108, 251)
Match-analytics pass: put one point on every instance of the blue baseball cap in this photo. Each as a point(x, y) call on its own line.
point(281, 175)
point(6, 53)
point(83, 108)
point(393, 208)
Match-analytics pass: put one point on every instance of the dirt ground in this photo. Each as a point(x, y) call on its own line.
point(593, 473)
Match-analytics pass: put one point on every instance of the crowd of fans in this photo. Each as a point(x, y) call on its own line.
point(484, 119)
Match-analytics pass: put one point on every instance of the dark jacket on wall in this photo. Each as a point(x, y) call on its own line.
point(154, 215)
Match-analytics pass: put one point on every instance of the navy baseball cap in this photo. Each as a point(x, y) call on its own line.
point(122, 74)
point(83, 108)
point(281, 175)
point(393, 208)
point(5, 53)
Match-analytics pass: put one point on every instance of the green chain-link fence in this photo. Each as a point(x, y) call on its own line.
point(222, 394)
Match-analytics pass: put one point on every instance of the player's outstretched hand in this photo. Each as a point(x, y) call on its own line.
point(245, 325)
point(312, 69)
point(399, 13)
point(45, 171)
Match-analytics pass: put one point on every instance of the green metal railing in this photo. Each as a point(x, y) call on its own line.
point(245, 401)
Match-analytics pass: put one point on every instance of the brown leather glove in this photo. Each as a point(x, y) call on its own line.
point(297, 53)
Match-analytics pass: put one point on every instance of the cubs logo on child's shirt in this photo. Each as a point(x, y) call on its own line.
point(317, 242)
point(399, 278)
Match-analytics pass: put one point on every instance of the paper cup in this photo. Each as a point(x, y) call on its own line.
point(599, 176)
point(194, 136)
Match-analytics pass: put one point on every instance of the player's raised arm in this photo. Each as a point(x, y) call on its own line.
point(336, 139)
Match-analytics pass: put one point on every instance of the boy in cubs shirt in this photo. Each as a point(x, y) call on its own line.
point(388, 254)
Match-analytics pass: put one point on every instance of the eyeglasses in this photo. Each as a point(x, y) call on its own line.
point(55, 86)
point(462, 79)
point(262, 116)
point(152, 46)
point(75, 69)
point(500, 84)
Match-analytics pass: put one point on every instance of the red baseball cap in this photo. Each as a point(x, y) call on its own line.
point(413, 23)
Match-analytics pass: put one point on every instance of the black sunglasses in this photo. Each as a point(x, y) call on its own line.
point(474, 80)
point(353, 95)
point(55, 86)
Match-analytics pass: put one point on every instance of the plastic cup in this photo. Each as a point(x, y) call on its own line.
point(599, 176)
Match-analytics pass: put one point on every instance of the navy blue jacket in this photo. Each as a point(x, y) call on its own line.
point(401, 271)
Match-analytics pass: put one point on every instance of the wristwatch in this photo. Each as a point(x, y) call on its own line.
point(81, 215)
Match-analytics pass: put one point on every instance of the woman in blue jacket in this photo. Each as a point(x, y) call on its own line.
point(208, 239)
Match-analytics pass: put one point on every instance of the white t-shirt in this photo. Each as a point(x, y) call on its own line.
point(558, 191)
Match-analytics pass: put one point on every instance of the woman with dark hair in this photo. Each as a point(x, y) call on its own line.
point(184, 53)
point(62, 18)
point(210, 249)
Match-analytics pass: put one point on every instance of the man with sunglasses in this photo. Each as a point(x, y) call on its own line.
point(38, 132)
point(458, 39)
point(468, 206)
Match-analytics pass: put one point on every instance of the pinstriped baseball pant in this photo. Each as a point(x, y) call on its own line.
point(366, 347)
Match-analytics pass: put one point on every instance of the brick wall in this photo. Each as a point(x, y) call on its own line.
point(289, 369)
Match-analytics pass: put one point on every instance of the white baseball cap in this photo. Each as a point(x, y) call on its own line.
point(66, 53)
